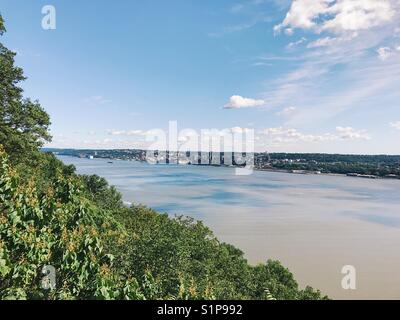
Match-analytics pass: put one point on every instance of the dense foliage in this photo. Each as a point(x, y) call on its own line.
point(100, 249)
point(377, 165)
point(55, 226)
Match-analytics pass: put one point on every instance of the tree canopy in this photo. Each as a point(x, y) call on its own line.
point(24, 125)
point(2, 28)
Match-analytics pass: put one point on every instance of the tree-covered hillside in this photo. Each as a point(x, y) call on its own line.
point(50, 216)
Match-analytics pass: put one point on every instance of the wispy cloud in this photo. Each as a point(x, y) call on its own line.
point(238, 27)
point(395, 125)
point(126, 132)
point(97, 100)
point(351, 36)
point(289, 135)
point(287, 111)
point(349, 133)
point(249, 12)
point(296, 43)
point(384, 53)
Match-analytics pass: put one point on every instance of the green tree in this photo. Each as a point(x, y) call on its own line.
point(98, 190)
point(24, 125)
point(61, 228)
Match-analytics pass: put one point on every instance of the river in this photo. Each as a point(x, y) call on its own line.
point(313, 224)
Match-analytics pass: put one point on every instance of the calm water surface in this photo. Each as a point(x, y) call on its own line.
point(314, 224)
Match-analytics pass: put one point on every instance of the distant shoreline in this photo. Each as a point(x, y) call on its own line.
point(273, 170)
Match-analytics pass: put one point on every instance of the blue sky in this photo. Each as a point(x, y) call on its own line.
point(307, 76)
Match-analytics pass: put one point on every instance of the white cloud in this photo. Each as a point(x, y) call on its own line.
point(239, 130)
point(348, 57)
point(116, 132)
point(135, 133)
point(395, 125)
point(322, 42)
point(262, 64)
point(287, 111)
point(289, 31)
point(296, 43)
point(126, 132)
point(290, 135)
point(237, 102)
point(302, 13)
point(332, 41)
point(349, 133)
point(284, 135)
point(384, 53)
point(353, 15)
point(337, 16)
